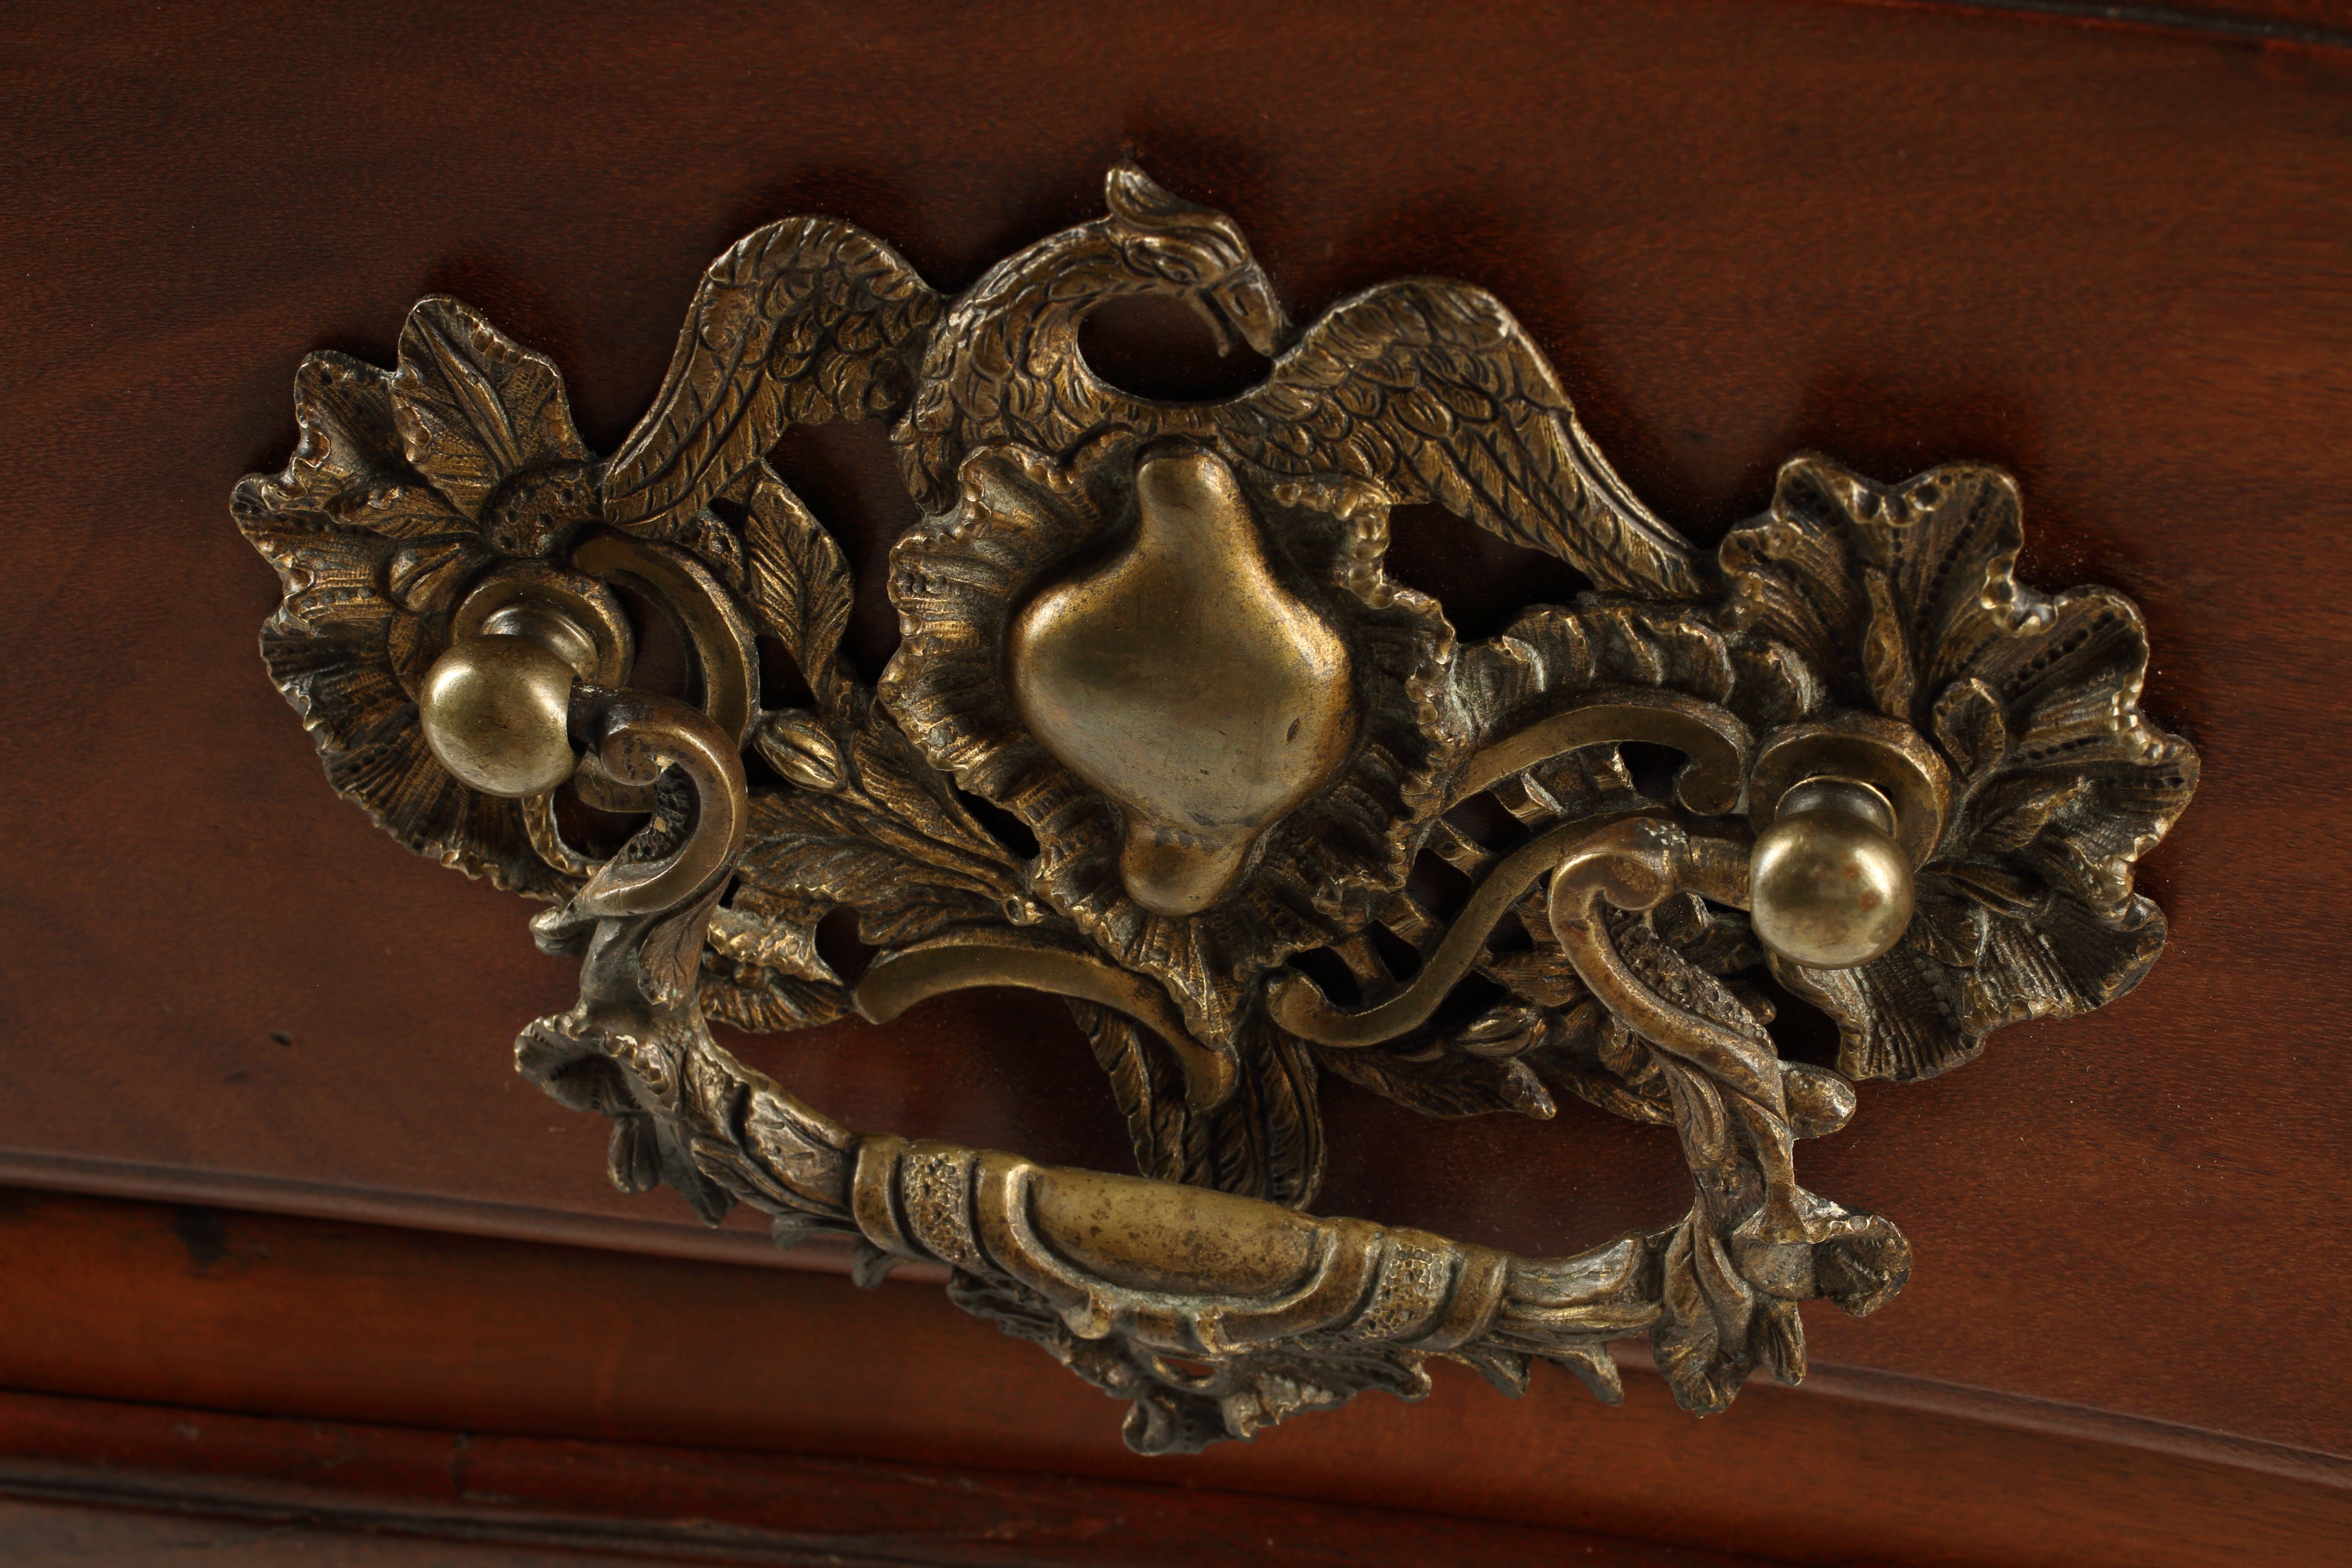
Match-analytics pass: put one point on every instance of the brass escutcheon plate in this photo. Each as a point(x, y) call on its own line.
point(1164, 737)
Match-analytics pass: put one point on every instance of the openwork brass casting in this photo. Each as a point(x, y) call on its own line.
point(1256, 812)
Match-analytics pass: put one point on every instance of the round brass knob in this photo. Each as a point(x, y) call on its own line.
point(496, 710)
point(1829, 886)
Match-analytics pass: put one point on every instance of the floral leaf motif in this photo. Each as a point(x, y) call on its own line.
point(799, 746)
point(2062, 782)
point(1885, 653)
point(340, 680)
point(1445, 1083)
point(775, 929)
point(1730, 1280)
point(349, 466)
point(704, 1125)
point(1554, 658)
point(474, 409)
point(798, 583)
point(1478, 1070)
point(2013, 813)
point(1970, 728)
point(419, 576)
point(1267, 1138)
point(1148, 1086)
point(1729, 1304)
point(1951, 929)
point(371, 557)
point(1247, 1393)
point(1552, 1034)
point(761, 972)
point(1913, 1014)
point(866, 824)
point(670, 958)
point(1707, 1313)
point(1264, 1141)
point(1683, 946)
point(892, 844)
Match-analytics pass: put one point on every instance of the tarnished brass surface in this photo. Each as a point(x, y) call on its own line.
point(1245, 767)
point(726, 659)
point(896, 981)
point(1715, 743)
point(496, 711)
point(1294, 1001)
point(1184, 680)
point(692, 847)
point(1829, 886)
point(1890, 759)
point(1716, 1062)
point(575, 617)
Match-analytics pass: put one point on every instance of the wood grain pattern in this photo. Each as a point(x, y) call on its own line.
point(542, 1354)
point(357, 1497)
point(2112, 260)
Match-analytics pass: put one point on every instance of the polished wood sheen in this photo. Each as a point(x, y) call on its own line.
point(585, 1359)
point(2109, 258)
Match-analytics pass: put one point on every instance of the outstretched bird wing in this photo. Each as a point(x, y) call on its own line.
point(1432, 391)
point(804, 320)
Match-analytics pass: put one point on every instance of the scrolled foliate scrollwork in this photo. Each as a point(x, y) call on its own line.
point(1903, 599)
point(1163, 736)
point(408, 484)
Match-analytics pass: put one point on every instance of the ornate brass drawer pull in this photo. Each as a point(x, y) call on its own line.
point(1162, 638)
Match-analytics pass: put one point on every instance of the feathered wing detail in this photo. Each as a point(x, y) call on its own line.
point(1003, 365)
point(1433, 392)
point(803, 321)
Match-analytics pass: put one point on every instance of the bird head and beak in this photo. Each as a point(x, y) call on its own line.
point(1200, 255)
point(1243, 306)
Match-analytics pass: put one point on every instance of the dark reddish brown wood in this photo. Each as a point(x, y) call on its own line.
point(2289, 21)
point(303, 1318)
point(499, 1494)
point(2110, 259)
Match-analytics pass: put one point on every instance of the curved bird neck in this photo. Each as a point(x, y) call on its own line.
point(1025, 311)
point(1004, 364)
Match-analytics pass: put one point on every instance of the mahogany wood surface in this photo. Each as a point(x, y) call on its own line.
point(2118, 260)
point(890, 1419)
point(75, 1465)
point(268, 1491)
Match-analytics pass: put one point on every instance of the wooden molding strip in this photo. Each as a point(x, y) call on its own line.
point(702, 1505)
point(739, 1243)
point(750, 1247)
point(309, 1321)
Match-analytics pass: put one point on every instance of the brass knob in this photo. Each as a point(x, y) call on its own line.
point(496, 712)
point(1829, 886)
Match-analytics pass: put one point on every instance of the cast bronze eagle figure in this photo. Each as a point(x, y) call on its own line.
point(1424, 389)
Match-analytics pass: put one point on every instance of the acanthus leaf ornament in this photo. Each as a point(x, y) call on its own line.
point(1160, 640)
point(1903, 598)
